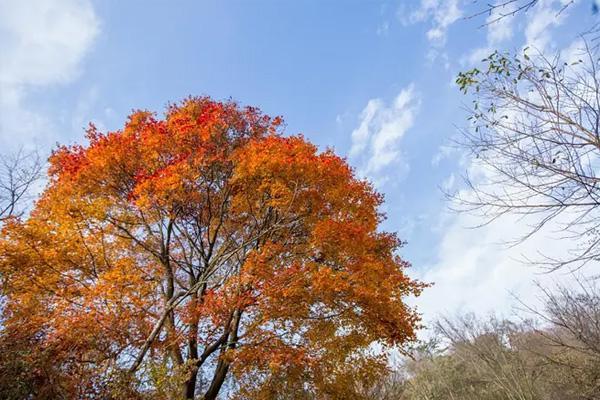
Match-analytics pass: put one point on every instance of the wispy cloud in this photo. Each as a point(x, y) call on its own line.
point(543, 17)
point(376, 140)
point(43, 43)
point(537, 27)
point(441, 13)
point(476, 269)
point(444, 152)
point(500, 26)
point(500, 23)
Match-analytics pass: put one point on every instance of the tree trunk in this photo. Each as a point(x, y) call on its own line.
point(189, 386)
point(223, 365)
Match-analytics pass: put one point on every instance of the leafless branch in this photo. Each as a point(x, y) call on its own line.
point(503, 9)
point(534, 138)
point(18, 174)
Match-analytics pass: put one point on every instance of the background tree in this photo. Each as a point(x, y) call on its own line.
point(535, 138)
point(18, 174)
point(552, 356)
point(568, 339)
point(199, 254)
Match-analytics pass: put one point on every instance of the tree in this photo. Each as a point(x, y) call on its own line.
point(568, 341)
point(535, 134)
point(553, 356)
point(18, 174)
point(494, 356)
point(199, 254)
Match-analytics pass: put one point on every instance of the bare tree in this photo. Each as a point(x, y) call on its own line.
point(491, 349)
point(18, 174)
point(570, 318)
point(554, 355)
point(566, 338)
point(546, 353)
point(575, 314)
point(535, 136)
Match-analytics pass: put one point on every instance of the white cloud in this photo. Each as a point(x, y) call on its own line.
point(375, 142)
point(574, 52)
point(539, 24)
point(43, 43)
point(82, 113)
point(541, 19)
point(17, 123)
point(500, 22)
point(448, 183)
point(500, 28)
point(444, 152)
point(442, 14)
point(476, 271)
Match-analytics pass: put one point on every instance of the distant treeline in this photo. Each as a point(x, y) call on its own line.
point(553, 355)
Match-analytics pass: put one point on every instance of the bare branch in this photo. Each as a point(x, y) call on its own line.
point(18, 174)
point(535, 144)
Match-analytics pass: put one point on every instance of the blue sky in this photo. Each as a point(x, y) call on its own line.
point(372, 79)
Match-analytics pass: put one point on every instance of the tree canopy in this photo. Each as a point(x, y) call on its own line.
point(199, 254)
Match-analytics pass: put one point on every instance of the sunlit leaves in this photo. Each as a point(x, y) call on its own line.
point(205, 244)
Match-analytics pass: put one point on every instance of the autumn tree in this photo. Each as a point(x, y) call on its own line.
point(202, 254)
